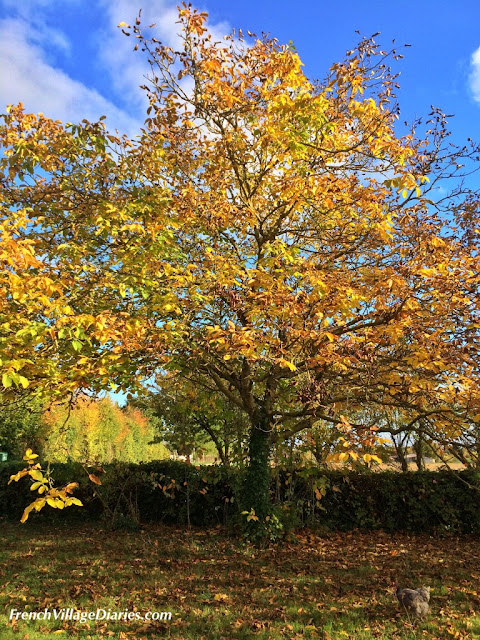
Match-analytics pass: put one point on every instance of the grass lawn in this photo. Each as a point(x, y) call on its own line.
point(331, 587)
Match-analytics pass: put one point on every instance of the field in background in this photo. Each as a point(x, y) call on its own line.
point(431, 466)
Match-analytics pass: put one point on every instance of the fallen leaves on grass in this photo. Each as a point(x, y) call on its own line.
point(335, 586)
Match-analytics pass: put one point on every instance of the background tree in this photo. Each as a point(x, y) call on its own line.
point(193, 421)
point(21, 426)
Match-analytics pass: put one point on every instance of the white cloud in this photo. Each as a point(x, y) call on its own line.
point(128, 69)
point(29, 73)
point(474, 78)
point(27, 76)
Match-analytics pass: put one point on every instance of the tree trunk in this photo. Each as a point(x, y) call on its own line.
point(256, 493)
point(419, 451)
point(476, 462)
point(222, 453)
point(400, 451)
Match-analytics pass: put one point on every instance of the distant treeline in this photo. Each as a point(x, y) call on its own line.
point(93, 430)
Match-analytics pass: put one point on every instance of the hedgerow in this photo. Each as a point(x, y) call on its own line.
point(174, 492)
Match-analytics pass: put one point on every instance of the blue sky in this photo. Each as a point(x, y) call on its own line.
point(67, 59)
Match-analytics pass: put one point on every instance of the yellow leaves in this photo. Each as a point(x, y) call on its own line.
point(15, 378)
point(213, 66)
point(251, 516)
point(38, 504)
point(37, 475)
point(133, 227)
point(427, 272)
point(357, 445)
point(385, 231)
point(344, 456)
point(406, 182)
point(221, 597)
point(6, 380)
point(287, 364)
point(30, 456)
point(56, 498)
point(16, 477)
point(437, 242)
point(56, 503)
point(75, 501)
point(371, 458)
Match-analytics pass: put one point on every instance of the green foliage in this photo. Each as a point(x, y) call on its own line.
point(432, 502)
point(194, 420)
point(21, 426)
point(279, 523)
point(177, 493)
point(164, 491)
point(260, 523)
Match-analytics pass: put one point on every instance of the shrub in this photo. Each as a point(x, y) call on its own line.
point(178, 493)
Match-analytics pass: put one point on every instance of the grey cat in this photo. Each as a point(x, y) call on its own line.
point(415, 601)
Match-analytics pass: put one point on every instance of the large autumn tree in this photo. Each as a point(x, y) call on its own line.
point(279, 240)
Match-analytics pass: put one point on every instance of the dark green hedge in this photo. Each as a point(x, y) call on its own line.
point(172, 492)
point(441, 501)
point(165, 491)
